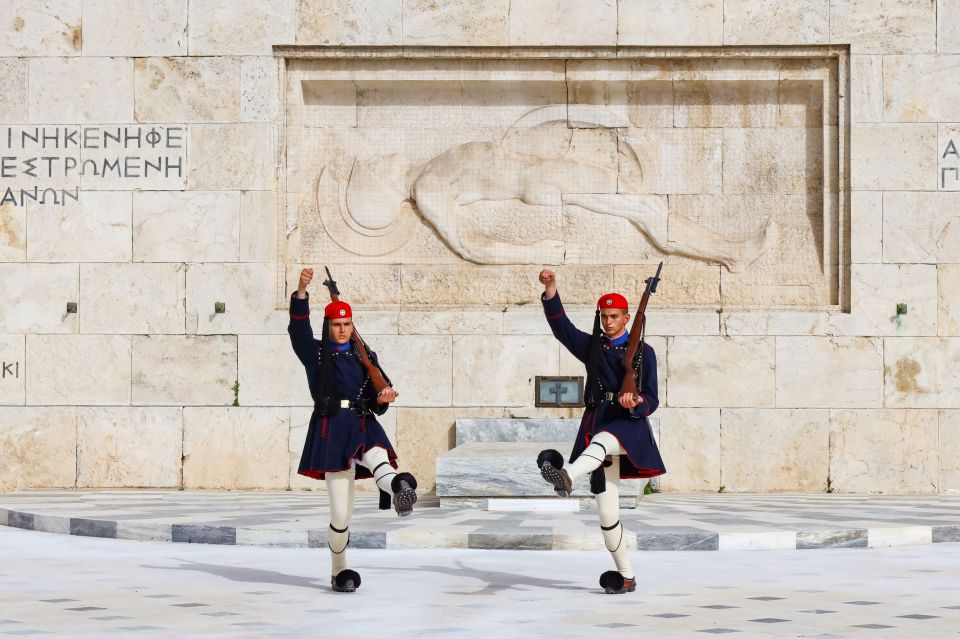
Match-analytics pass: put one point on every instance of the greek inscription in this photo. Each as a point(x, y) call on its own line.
point(44, 164)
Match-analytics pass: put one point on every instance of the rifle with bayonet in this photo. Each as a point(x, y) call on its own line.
point(377, 378)
point(633, 358)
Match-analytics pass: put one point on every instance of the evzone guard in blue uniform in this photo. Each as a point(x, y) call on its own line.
point(344, 440)
point(615, 440)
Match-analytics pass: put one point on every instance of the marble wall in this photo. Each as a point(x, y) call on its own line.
point(116, 371)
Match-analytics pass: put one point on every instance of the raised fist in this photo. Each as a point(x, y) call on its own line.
point(305, 276)
point(548, 277)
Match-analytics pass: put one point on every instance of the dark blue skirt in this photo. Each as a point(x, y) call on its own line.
point(335, 443)
point(641, 458)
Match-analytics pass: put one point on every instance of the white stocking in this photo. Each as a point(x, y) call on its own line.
point(603, 445)
point(608, 506)
point(378, 463)
point(340, 489)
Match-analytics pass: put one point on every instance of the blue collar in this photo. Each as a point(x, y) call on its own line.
point(339, 348)
point(620, 341)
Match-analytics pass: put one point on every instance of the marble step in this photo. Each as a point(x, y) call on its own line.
point(506, 469)
point(522, 430)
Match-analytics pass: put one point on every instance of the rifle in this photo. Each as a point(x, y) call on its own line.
point(377, 378)
point(633, 358)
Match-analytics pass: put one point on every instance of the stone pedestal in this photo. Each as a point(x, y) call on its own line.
point(495, 461)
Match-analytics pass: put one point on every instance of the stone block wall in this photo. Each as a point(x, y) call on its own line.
point(136, 388)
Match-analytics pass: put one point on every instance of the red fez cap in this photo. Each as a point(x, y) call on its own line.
point(612, 300)
point(337, 310)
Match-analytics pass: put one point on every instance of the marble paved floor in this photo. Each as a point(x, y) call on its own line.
point(667, 521)
point(69, 586)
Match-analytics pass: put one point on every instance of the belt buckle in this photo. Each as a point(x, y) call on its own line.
point(344, 403)
point(609, 397)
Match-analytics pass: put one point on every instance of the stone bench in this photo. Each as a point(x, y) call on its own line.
point(495, 461)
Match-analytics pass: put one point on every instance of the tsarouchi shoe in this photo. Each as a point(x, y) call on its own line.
point(613, 583)
point(345, 581)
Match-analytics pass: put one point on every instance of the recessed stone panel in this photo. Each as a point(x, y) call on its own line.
point(884, 451)
point(774, 450)
point(127, 447)
point(39, 447)
point(78, 369)
point(236, 447)
point(185, 370)
point(135, 28)
point(829, 372)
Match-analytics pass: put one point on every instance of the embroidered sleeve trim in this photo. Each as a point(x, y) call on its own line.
point(299, 317)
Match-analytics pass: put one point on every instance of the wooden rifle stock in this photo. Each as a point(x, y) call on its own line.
point(633, 354)
point(376, 375)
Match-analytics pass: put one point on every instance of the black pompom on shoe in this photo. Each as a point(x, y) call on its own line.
point(613, 583)
point(404, 487)
point(551, 469)
point(345, 581)
point(552, 456)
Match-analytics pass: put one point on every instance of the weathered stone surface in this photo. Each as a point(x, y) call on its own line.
point(136, 29)
point(949, 453)
point(893, 157)
point(78, 369)
point(771, 161)
point(647, 103)
point(684, 283)
point(842, 372)
point(655, 23)
point(39, 447)
point(457, 322)
point(237, 156)
point(867, 90)
point(247, 291)
point(884, 451)
point(920, 372)
point(143, 167)
point(13, 100)
point(866, 227)
point(677, 160)
point(349, 22)
point(772, 323)
point(420, 366)
point(690, 447)
point(258, 221)
point(425, 433)
point(921, 227)
point(772, 22)
point(456, 22)
point(720, 371)
point(235, 447)
point(73, 90)
point(184, 369)
point(41, 28)
point(13, 233)
point(251, 27)
point(884, 26)
point(270, 373)
point(129, 447)
point(948, 296)
point(727, 104)
point(187, 89)
point(548, 22)
point(258, 89)
point(774, 450)
point(921, 88)
point(14, 374)
point(132, 298)
point(500, 370)
point(877, 289)
point(94, 229)
point(186, 226)
point(948, 26)
point(37, 295)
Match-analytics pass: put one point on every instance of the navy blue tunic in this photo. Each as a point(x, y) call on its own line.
point(630, 427)
point(334, 442)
